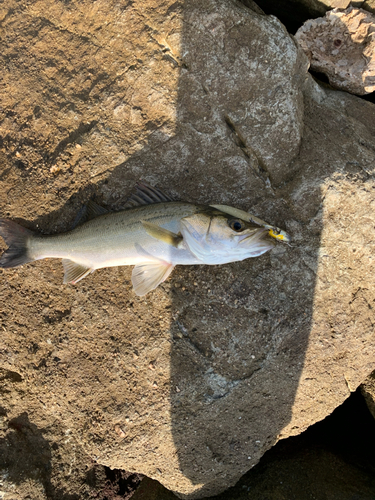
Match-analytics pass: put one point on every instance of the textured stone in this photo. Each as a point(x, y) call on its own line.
point(342, 45)
point(40, 459)
point(333, 459)
point(211, 101)
point(369, 5)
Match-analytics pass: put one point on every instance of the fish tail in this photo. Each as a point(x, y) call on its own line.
point(16, 237)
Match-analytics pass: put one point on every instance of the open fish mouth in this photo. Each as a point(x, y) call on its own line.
point(257, 244)
point(261, 235)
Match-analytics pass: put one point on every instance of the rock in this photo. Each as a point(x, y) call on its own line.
point(369, 5)
point(330, 459)
point(368, 391)
point(192, 383)
point(342, 46)
point(39, 458)
point(150, 489)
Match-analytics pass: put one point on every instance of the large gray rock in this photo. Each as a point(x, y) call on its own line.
point(191, 384)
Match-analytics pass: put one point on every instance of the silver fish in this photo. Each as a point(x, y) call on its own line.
point(153, 233)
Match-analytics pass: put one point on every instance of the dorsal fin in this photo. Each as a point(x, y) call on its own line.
point(94, 210)
point(88, 212)
point(146, 195)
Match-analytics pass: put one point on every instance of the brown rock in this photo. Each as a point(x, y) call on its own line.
point(342, 45)
point(333, 459)
point(213, 103)
point(369, 5)
point(40, 459)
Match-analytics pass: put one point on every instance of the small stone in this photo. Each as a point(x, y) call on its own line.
point(119, 431)
point(54, 169)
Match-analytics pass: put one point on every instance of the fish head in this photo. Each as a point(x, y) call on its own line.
point(273, 231)
point(216, 237)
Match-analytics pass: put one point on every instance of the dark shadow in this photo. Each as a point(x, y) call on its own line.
point(120, 484)
point(26, 456)
point(292, 13)
point(241, 332)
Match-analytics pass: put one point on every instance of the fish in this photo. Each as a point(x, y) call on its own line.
point(153, 233)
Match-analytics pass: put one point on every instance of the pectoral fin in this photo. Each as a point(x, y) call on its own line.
point(162, 234)
point(146, 277)
point(74, 272)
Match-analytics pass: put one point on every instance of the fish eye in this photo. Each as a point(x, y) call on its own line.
point(236, 225)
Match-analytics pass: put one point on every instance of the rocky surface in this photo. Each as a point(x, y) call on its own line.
point(368, 5)
point(332, 460)
point(39, 458)
point(191, 384)
point(342, 46)
point(293, 13)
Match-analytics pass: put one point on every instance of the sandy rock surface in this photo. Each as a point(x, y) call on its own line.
point(342, 46)
point(192, 383)
point(40, 459)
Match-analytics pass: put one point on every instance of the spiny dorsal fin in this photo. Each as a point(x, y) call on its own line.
point(90, 211)
point(146, 195)
point(94, 210)
point(147, 276)
point(74, 272)
point(159, 233)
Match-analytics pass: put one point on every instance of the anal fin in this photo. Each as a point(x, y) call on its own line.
point(74, 272)
point(147, 276)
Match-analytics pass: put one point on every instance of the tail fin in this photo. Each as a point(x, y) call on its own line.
point(16, 237)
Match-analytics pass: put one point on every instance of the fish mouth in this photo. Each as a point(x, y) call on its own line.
point(257, 237)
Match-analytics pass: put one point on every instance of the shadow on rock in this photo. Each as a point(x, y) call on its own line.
point(25, 455)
